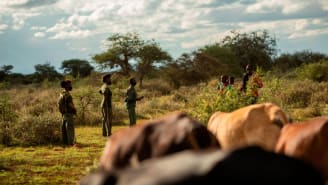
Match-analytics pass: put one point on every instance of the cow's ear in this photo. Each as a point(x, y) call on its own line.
point(289, 119)
point(277, 121)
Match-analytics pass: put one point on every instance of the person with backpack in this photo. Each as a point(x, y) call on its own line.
point(67, 109)
point(106, 106)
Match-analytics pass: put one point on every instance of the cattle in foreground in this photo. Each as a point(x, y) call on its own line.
point(250, 165)
point(258, 124)
point(172, 133)
point(308, 141)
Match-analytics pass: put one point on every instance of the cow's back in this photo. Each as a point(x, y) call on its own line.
point(258, 124)
point(163, 136)
point(307, 141)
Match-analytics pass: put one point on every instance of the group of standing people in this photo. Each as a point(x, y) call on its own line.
point(68, 110)
point(250, 81)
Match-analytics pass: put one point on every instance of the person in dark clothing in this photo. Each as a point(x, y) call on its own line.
point(246, 76)
point(106, 105)
point(131, 99)
point(68, 111)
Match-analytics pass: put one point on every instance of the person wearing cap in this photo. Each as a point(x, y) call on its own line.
point(131, 100)
point(106, 106)
point(67, 109)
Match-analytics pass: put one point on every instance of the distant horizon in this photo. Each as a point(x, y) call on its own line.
point(35, 32)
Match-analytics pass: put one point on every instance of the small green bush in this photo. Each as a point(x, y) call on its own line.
point(316, 71)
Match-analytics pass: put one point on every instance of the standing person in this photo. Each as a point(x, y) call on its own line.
point(131, 99)
point(67, 109)
point(246, 77)
point(222, 84)
point(252, 81)
point(231, 84)
point(106, 106)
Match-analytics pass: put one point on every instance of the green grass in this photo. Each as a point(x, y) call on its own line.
point(53, 164)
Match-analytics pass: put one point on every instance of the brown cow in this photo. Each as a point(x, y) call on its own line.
point(257, 124)
point(308, 141)
point(169, 134)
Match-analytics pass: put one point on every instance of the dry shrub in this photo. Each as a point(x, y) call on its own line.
point(36, 130)
point(6, 134)
point(156, 87)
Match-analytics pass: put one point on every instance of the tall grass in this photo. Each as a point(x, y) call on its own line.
point(29, 114)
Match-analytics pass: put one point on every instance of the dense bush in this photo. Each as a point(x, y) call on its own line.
point(36, 130)
point(208, 102)
point(316, 72)
point(31, 130)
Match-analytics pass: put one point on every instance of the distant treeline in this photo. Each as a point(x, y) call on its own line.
point(129, 55)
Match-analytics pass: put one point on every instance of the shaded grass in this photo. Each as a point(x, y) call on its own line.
point(53, 164)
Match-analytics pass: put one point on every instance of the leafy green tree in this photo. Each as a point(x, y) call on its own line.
point(122, 49)
point(45, 71)
point(256, 48)
point(77, 67)
point(150, 55)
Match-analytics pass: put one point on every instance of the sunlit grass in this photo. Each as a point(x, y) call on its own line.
point(53, 164)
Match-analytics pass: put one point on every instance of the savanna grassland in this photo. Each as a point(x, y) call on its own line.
point(31, 152)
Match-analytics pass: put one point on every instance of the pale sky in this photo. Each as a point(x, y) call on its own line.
point(39, 31)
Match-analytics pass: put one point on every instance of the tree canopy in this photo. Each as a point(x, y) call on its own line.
point(148, 56)
point(76, 67)
point(46, 71)
point(122, 48)
point(256, 48)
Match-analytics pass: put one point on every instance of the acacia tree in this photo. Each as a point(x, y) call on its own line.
point(122, 49)
point(148, 56)
point(5, 70)
point(46, 71)
point(77, 67)
point(255, 48)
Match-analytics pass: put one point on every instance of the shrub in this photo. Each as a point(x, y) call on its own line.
point(31, 130)
point(37, 130)
point(302, 99)
point(157, 87)
point(316, 71)
point(6, 136)
point(7, 110)
point(208, 102)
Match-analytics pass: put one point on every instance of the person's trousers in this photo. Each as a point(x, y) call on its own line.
point(107, 121)
point(132, 116)
point(68, 133)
